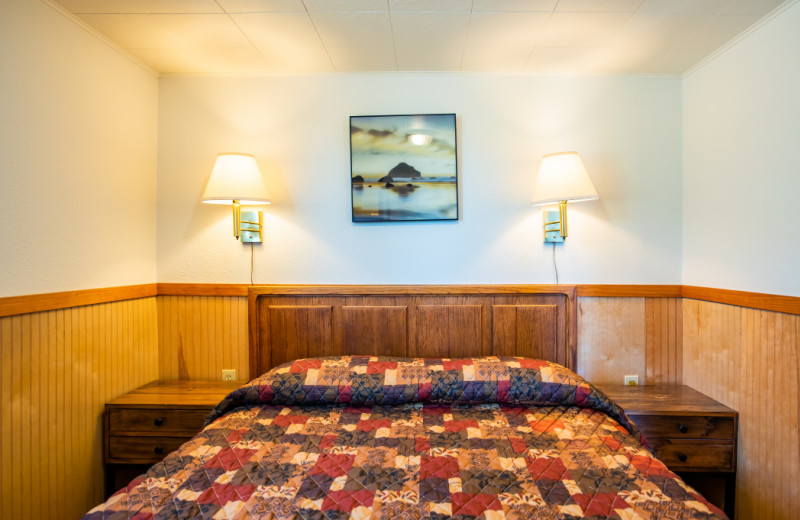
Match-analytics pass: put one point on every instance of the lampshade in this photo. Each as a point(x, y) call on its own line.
point(563, 177)
point(236, 177)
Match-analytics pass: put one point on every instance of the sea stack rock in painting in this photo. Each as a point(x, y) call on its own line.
point(402, 171)
point(357, 179)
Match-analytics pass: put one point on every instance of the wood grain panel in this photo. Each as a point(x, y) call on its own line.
point(448, 331)
point(58, 368)
point(375, 330)
point(611, 339)
point(299, 331)
point(525, 330)
point(664, 340)
point(199, 336)
point(631, 336)
point(432, 330)
point(748, 359)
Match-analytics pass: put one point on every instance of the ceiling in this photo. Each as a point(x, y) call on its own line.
point(515, 36)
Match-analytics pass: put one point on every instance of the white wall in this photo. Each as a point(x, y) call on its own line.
point(741, 188)
point(78, 125)
point(628, 131)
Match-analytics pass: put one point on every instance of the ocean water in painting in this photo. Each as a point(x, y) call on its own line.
point(374, 202)
point(403, 167)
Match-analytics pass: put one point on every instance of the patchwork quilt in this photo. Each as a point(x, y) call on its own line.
point(397, 438)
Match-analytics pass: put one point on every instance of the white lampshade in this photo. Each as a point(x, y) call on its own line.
point(236, 177)
point(563, 177)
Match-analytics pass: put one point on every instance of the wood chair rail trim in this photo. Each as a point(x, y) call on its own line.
point(25, 304)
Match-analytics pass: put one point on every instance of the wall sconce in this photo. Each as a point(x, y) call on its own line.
point(562, 178)
point(237, 180)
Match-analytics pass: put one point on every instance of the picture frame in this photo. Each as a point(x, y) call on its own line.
point(404, 168)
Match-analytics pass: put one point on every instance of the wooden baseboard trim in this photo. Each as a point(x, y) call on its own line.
point(766, 302)
point(629, 291)
point(202, 289)
point(13, 305)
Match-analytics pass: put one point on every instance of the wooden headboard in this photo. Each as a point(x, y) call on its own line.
point(296, 321)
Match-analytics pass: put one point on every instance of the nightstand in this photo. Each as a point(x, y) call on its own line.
point(694, 435)
point(144, 425)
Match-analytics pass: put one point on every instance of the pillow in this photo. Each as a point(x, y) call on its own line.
point(387, 381)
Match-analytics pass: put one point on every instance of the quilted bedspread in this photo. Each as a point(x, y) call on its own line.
point(395, 438)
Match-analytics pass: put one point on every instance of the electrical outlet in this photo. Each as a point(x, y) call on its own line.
point(632, 380)
point(229, 375)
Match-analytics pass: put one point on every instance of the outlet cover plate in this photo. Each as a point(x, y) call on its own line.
point(632, 380)
point(229, 375)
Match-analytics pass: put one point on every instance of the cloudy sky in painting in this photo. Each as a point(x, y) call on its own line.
point(379, 143)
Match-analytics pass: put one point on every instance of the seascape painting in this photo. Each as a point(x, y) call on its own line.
point(403, 168)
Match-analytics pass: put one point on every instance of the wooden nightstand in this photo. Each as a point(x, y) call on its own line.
point(694, 435)
point(144, 425)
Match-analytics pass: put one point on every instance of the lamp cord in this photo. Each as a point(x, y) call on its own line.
point(251, 263)
point(555, 267)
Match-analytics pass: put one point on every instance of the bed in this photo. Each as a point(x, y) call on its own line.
point(412, 402)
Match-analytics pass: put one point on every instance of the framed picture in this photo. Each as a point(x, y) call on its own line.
point(403, 168)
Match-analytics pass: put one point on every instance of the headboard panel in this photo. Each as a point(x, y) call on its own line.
point(295, 321)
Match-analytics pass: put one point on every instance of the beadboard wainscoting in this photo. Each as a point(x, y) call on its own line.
point(60, 364)
point(199, 336)
point(620, 336)
point(749, 359)
point(59, 368)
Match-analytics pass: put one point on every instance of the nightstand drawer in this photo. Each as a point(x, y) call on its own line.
point(145, 425)
point(688, 427)
point(154, 420)
point(138, 449)
point(695, 455)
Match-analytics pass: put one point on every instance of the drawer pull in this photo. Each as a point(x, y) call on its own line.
point(158, 450)
point(159, 421)
point(682, 457)
point(683, 428)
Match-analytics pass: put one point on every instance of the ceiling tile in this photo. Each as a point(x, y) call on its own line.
point(675, 61)
point(295, 59)
point(551, 60)
point(205, 61)
point(657, 31)
point(756, 7)
point(630, 59)
point(347, 5)
point(514, 5)
point(168, 30)
point(683, 6)
point(496, 59)
point(262, 6)
point(278, 30)
point(506, 29)
point(427, 5)
point(598, 6)
point(429, 58)
point(363, 58)
point(354, 29)
point(582, 29)
point(432, 30)
point(141, 6)
point(717, 33)
point(572, 36)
